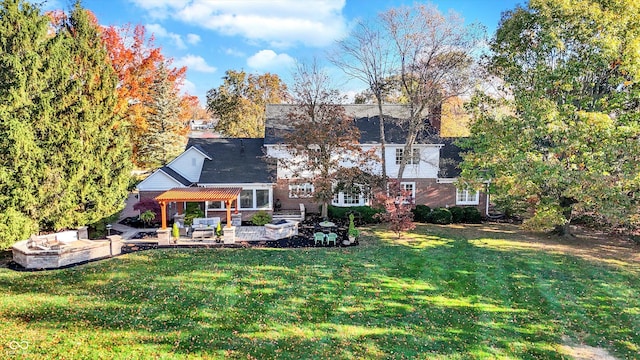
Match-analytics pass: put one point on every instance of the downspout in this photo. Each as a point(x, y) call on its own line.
point(486, 210)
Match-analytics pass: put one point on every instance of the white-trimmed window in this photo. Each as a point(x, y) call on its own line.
point(467, 197)
point(413, 160)
point(410, 188)
point(300, 190)
point(255, 199)
point(350, 198)
point(215, 205)
point(249, 199)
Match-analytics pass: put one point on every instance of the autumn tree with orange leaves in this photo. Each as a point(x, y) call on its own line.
point(138, 64)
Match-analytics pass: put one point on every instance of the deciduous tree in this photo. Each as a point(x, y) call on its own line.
point(367, 55)
point(569, 137)
point(323, 139)
point(239, 103)
point(432, 59)
point(397, 204)
point(138, 62)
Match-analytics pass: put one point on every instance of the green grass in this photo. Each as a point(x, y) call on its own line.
point(442, 293)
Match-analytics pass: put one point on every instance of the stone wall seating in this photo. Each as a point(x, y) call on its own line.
point(282, 230)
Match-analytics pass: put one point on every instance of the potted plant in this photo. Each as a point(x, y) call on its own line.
point(352, 232)
point(219, 232)
point(175, 232)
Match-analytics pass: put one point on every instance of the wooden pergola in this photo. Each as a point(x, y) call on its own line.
point(198, 194)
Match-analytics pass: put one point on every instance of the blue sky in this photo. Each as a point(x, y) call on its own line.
point(212, 36)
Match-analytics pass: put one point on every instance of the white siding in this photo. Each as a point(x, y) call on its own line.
point(189, 164)
point(158, 181)
point(426, 169)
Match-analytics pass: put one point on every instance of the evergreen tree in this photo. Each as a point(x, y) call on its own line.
point(65, 155)
point(165, 137)
point(22, 43)
point(94, 154)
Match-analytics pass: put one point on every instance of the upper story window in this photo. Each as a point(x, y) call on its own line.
point(467, 197)
point(413, 160)
point(300, 190)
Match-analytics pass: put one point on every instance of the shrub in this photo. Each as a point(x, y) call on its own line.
point(367, 213)
point(193, 211)
point(147, 204)
point(472, 215)
point(397, 214)
point(421, 213)
point(440, 216)
point(457, 214)
point(260, 218)
point(147, 217)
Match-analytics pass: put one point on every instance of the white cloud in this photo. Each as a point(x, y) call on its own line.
point(193, 39)
point(195, 63)
point(234, 52)
point(268, 59)
point(279, 23)
point(161, 32)
point(188, 87)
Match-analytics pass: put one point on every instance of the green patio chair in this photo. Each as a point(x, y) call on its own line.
point(319, 236)
point(332, 237)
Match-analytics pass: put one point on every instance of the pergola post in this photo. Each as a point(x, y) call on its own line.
point(163, 210)
point(199, 194)
point(229, 212)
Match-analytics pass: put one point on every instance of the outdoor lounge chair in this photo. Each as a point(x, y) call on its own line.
point(319, 236)
point(332, 237)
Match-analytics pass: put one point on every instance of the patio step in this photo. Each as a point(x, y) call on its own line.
point(289, 216)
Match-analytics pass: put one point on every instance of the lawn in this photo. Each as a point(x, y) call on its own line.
point(485, 291)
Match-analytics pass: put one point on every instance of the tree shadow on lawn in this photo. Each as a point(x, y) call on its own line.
point(376, 301)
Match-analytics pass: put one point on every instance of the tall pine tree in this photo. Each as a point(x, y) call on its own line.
point(95, 154)
point(65, 154)
point(23, 40)
point(165, 137)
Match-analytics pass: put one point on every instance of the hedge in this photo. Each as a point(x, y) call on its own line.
point(457, 214)
point(421, 213)
point(472, 215)
point(440, 216)
point(367, 213)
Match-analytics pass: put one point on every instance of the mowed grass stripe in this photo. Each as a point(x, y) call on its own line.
point(441, 292)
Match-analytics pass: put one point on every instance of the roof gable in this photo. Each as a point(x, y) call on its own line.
point(159, 180)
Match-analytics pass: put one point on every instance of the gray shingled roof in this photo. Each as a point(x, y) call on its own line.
point(233, 161)
point(169, 171)
point(450, 159)
point(366, 120)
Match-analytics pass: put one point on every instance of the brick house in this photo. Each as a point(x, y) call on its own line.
point(252, 164)
point(429, 175)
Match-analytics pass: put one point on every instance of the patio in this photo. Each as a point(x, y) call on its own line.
point(246, 236)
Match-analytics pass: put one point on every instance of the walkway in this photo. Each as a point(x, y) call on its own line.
point(243, 233)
